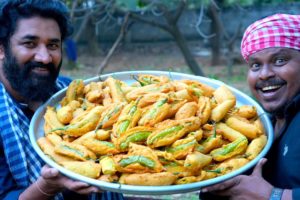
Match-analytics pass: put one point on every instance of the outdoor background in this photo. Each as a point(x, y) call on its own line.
point(200, 37)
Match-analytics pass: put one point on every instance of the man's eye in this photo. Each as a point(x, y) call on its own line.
point(280, 61)
point(254, 67)
point(53, 46)
point(29, 44)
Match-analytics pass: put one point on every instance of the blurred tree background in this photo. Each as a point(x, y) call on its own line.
point(204, 34)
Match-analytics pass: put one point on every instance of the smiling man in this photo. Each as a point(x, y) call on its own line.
point(271, 47)
point(31, 36)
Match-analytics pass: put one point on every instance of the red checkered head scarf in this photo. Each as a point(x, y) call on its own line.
point(279, 30)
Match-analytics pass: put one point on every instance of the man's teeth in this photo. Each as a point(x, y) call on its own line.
point(272, 87)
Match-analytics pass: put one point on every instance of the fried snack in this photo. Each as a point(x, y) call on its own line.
point(127, 119)
point(87, 168)
point(156, 131)
point(155, 114)
point(151, 179)
point(74, 92)
point(108, 166)
point(91, 134)
point(228, 151)
point(204, 109)
point(210, 143)
point(196, 134)
point(100, 147)
point(225, 102)
point(246, 111)
point(86, 124)
point(138, 134)
point(171, 130)
point(243, 126)
point(229, 133)
point(230, 165)
point(219, 112)
point(51, 121)
point(140, 159)
point(184, 94)
point(101, 134)
point(255, 147)
point(148, 79)
point(209, 174)
point(54, 139)
point(107, 100)
point(178, 170)
point(174, 107)
point(65, 114)
point(187, 110)
point(151, 98)
point(182, 147)
point(196, 161)
point(165, 157)
point(186, 180)
point(259, 126)
point(109, 178)
point(74, 151)
point(223, 94)
point(115, 89)
point(153, 88)
point(48, 149)
point(205, 89)
point(110, 115)
point(93, 92)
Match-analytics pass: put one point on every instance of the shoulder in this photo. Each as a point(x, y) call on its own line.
point(63, 81)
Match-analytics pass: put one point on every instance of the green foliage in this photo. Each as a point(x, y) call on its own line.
point(132, 5)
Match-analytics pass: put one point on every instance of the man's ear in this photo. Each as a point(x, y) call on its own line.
point(2, 54)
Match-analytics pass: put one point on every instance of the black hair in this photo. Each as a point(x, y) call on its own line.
point(11, 11)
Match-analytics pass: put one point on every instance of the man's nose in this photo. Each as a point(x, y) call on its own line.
point(43, 55)
point(266, 72)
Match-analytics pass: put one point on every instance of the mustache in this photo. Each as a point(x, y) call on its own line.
point(32, 64)
point(272, 81)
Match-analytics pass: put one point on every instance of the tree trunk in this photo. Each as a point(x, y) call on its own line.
point(216, 40)
point(92, 40)
point(183, 46)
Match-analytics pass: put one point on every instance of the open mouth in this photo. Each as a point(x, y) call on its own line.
point(40, 70)
point(270, 88)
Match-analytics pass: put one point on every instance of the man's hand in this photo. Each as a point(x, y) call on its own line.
point(244, 187)
point(51, 181)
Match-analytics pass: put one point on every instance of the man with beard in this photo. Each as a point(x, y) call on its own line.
point(271, 47)
point(31, 36)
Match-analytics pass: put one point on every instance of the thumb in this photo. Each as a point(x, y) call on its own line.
point(257, 171)
point(48, 172)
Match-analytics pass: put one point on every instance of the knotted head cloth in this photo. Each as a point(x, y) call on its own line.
point(279, 30)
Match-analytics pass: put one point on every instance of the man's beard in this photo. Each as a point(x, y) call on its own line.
point(29, 85)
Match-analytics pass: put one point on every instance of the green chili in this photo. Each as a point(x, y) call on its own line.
point(109, 144)
point(165, 132)
point(153, 112)
point(181, 147)
point(136, 137)
point(108, 116)
point(123, 126)
point(231, 146)
point(72, 150)
point(137, 159)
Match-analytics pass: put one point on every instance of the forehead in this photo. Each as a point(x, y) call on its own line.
point(269, 52)
point(43, 28)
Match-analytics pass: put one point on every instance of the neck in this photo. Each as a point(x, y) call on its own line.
point(280, 122)
point(34, 105)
